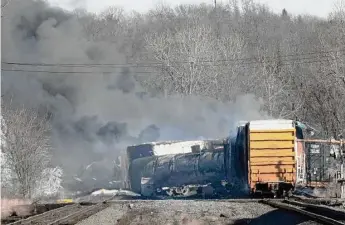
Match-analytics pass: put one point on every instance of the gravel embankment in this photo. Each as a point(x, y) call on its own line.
point(176, 212)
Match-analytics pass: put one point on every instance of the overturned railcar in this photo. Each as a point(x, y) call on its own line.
point(263, 158)
point(176, 173)
point(209, 170)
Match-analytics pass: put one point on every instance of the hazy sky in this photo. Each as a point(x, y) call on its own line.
point(313, 7)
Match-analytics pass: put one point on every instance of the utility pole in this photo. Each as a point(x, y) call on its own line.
point(216, 19)
point(342, 180)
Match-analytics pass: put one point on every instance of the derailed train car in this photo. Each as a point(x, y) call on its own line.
point(172, 164)
point(274, 158)
point(263, 158)
point(179, 174)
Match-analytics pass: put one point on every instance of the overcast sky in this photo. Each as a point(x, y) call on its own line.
point(314, 7)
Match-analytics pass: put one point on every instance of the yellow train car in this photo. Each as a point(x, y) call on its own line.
point(274, 157)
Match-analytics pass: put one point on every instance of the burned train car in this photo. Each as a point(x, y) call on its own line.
point(264, 158)
point(177, 174)
point(170, 147)
point(174, 164)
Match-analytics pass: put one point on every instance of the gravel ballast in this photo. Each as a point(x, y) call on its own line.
point(176, 212)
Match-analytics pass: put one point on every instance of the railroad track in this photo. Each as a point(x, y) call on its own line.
point(66, 215)
point(75, 212)
point(323, 214)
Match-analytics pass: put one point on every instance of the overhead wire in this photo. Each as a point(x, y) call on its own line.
point(150, 64)
point(137, 72)
point(69, 72)
point(306, 60)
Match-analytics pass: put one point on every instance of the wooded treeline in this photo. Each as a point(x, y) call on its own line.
point(295, 65)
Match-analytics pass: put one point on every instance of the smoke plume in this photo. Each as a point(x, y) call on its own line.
point(96, 115)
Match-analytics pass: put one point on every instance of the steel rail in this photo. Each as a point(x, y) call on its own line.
point(332, 212)
point(69, 213)
point(319, 201)
point(300, 210)
point(44, 215)
point(239, 200)
point(81, 214)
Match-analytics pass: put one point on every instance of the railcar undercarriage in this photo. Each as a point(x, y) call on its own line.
point(272, 190)
point(209, 190)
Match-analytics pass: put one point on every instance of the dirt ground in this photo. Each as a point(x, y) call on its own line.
point(189, 212)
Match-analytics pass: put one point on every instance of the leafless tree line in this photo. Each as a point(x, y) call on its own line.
point(26, 149)
point(294, 64)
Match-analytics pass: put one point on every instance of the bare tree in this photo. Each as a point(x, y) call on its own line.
point(180, 55)
point(25, 146)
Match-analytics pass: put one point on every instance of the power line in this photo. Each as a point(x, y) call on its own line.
point(291, 62)
point(243, 63)
point(146, 72)
point(71, 72)
point(305, 62)
point(150, 64)
point(296, 60)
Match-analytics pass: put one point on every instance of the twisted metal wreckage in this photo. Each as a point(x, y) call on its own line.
point(266, 157)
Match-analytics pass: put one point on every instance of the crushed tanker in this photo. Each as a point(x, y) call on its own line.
point(177, 174)
point(262, 159)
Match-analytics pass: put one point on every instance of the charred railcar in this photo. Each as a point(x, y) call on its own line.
point(176, 171)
